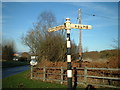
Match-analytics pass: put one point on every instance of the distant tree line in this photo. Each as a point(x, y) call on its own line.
point(8, 49)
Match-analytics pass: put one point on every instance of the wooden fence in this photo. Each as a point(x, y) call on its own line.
point(103, 77)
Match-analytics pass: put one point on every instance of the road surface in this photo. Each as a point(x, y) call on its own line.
point(6, 72)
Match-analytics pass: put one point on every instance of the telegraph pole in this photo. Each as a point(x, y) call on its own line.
point(80, 34)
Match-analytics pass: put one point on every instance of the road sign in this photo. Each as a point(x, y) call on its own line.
point(56, 28)
point(33, 57)
point(33, 62)
point(79, 26)
point(68, 25)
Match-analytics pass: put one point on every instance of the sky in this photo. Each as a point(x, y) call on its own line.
point(18, 18)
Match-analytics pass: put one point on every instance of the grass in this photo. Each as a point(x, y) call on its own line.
point(6, 64)
point(22, 80)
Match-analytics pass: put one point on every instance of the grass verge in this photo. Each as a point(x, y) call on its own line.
point(22, 80)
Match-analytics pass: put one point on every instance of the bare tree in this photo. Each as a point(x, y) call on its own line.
point(8, 49)
point(74, 51)
point(115, 44)
point(85, 49)
point(49, 46)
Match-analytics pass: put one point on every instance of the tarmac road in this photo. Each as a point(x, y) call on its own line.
point(6, 72)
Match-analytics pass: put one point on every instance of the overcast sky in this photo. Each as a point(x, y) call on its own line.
point(17, 19)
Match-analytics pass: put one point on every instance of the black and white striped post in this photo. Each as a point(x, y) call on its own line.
point(67, 25)
point(69, 67)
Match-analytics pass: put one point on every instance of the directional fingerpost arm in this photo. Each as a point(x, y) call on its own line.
point(68, 25)
point(56, 28)
point(79, 26)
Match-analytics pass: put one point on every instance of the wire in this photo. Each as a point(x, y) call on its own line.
point(97, 15)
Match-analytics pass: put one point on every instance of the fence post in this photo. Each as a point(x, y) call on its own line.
point(62, 75)
point(31, 71)
point(85, 74)
point(44, 73)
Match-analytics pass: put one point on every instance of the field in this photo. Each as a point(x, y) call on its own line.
point(95, 59)
point(104, 59)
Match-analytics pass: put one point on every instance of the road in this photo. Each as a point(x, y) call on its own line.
point(6, 72)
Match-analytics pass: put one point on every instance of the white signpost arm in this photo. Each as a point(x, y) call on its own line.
point(56, 28)
point(79, 26)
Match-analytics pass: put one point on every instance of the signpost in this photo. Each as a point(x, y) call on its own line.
point(68, 26)
point(33, 62)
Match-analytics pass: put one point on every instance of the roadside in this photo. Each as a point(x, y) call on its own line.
point(6, 72)
point(22, 80)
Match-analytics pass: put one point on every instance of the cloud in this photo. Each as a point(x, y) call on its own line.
point(104, 16)
point(92, 6)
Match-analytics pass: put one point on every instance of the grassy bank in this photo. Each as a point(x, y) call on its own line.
point(22, 80)
point(6, 64)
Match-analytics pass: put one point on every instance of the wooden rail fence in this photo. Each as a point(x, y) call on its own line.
point(104, 77)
